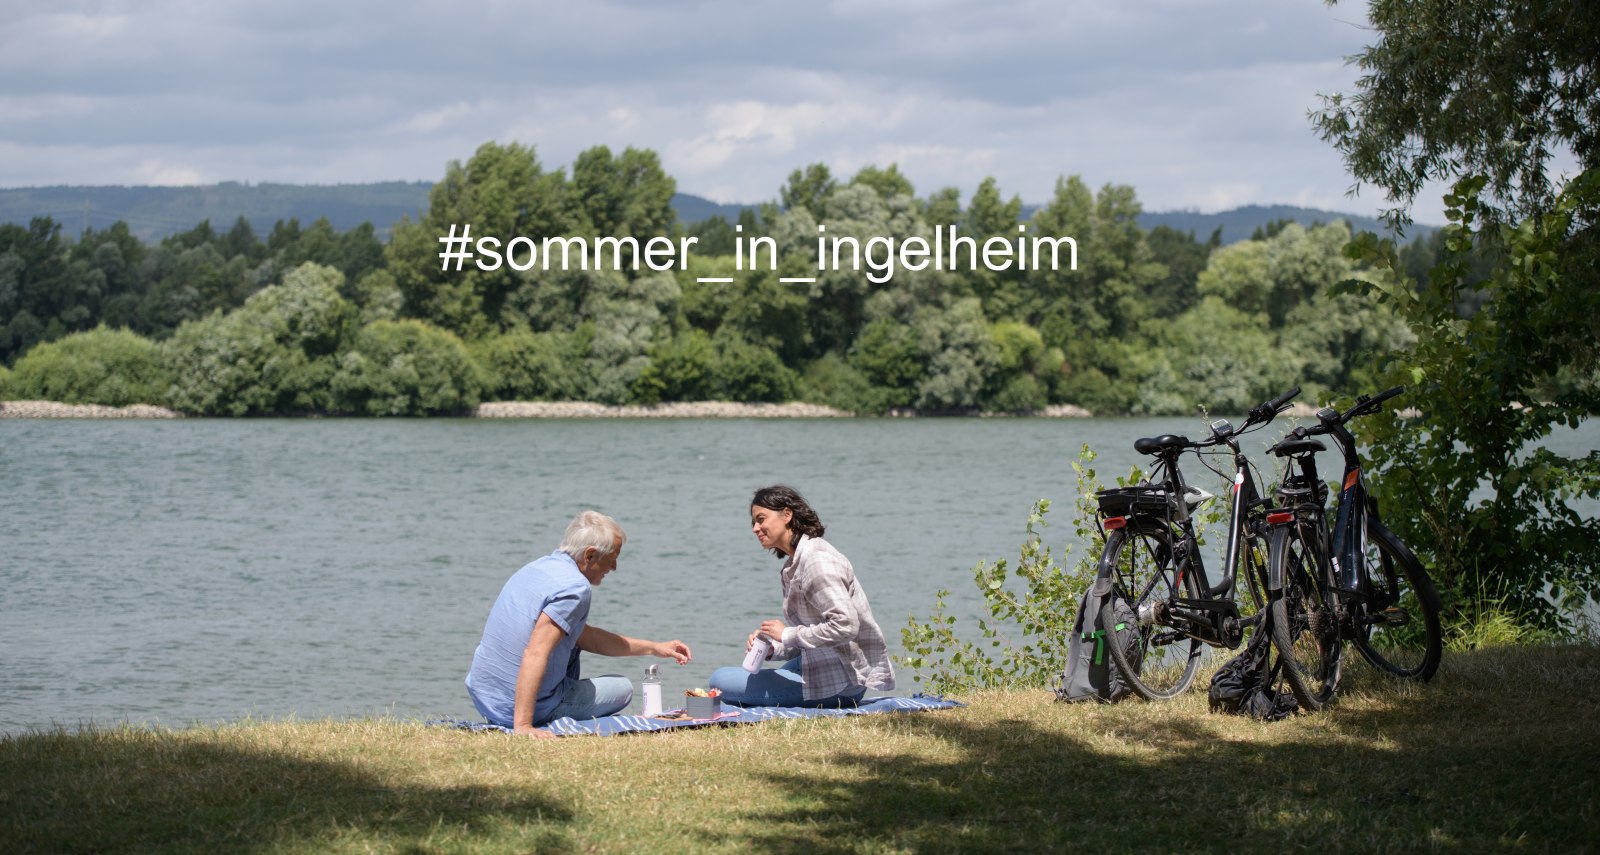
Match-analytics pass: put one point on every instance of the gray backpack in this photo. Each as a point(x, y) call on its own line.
point(1090, 674)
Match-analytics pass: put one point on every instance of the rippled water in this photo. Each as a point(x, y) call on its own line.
point(202, 570)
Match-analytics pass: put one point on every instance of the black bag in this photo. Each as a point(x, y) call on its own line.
point(1243, 686)
point(1090, 674)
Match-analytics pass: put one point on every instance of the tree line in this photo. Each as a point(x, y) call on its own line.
point(1151, 322)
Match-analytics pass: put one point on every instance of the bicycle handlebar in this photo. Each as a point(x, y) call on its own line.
point(1266, 411)
point(1364, 406)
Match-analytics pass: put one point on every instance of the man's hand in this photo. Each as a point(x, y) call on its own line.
point(534, 732)
point(673, 649)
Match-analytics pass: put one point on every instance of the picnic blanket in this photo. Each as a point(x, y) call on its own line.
point(612, 725)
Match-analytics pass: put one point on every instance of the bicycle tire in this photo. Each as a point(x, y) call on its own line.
point(1303, 620)
point(1144, 576)
point(1396, 585)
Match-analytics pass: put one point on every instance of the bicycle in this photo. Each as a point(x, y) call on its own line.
point(1151, 572)
point(1360, 584)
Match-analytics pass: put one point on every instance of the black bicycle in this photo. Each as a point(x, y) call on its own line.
point(1360, 583)
point(1151, 573)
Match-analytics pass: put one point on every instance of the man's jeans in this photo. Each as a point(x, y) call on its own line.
point(591, 698)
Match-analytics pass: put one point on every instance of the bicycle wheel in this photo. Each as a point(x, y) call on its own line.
point(1304, 624)
point(1159, 662)
point(1397, 591)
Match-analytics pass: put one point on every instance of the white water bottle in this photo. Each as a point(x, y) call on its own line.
point(758, 654)
point(651, 689)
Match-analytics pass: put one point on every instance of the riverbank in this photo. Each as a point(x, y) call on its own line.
point(521, 410)
point(1496, 754)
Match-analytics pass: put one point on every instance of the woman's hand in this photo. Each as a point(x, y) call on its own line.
point(773, 629)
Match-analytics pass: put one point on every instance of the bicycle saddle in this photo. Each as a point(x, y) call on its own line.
point(1291, 447)
point(1158, 444)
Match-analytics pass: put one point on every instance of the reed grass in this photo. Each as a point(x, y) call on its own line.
point(1497, 754)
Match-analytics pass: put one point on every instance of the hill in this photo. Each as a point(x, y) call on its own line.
point(153, 213)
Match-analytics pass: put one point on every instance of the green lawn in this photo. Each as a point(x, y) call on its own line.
point(1500, 753)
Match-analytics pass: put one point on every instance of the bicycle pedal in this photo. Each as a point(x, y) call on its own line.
point(1396, 616)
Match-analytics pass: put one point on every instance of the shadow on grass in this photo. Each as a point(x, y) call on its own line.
point(140, 791)
point(1438, 767)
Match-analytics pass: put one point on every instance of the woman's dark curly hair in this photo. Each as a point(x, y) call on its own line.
point(803, 519)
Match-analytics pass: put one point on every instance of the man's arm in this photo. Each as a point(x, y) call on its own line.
point(535, 658)
point(607, 643)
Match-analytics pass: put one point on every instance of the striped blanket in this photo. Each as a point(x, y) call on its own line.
point(612, 725)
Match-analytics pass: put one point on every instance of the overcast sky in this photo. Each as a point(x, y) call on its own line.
point(1197, 105)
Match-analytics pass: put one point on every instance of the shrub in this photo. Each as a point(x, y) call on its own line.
point(100, 366)
point(406, 368)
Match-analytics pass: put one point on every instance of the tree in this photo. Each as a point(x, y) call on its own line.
point(1488, 92)
point(626, 196)
point(274, 355)
point(101, 366)
point(808, 189)
point(501, 192)
point(1463, 87)
point(405, 368)
point(1486, 506)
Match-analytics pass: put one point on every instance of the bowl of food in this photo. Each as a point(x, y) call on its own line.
point(703, 703)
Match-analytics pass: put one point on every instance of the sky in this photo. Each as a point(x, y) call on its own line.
point(1197, 104)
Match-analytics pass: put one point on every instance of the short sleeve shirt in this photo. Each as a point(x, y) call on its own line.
point(550, 585)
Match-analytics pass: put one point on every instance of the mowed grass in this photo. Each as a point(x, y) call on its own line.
point(1500, 753)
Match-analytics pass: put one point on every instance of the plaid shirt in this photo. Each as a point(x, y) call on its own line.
point(830, 624)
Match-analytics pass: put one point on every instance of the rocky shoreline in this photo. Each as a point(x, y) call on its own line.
point(519, 410)
point(54, 410)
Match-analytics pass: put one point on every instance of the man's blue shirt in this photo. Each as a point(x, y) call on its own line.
point(551, 585)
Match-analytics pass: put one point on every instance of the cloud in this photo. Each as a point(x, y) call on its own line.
point(1196, 105)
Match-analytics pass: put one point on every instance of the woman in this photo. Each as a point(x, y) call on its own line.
point(833, 648)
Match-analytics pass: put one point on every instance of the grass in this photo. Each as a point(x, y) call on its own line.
point(1498, 754)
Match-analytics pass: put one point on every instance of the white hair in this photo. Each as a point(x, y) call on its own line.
point(592, 528)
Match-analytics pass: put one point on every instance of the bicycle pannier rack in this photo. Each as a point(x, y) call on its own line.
point(1142, 500)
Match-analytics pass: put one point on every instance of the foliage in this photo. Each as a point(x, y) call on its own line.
point(1128, 331)
point(273, 355)
point(101, 366)
point(405, 368)
point(1486, 507)
point(522, 365)
point(1464, 87)
point(1023, 642)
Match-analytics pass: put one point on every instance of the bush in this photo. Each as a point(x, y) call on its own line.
point(406, 368)
point(273, 355)
point(1042, 612)
point(532, 366)
point(101, 366)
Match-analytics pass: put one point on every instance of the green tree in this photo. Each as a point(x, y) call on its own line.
point(100, 366)
point(405, 368)
point(1485, 504)
point(624, 196)
point(1464, 87)
point(808, 189)
point(522, 365)
point(1489, 93)
point(501, 192)
point(274, 355)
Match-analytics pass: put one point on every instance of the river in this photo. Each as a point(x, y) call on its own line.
point(201, 570)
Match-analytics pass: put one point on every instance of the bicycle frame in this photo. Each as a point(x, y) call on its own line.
point(1213, 617)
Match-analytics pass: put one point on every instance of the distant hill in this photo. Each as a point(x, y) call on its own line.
point(1239, 223)
point(153, 213)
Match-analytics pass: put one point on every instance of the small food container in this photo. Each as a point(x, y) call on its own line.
point(703, 707)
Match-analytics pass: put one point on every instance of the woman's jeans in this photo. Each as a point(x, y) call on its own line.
point(775, 687)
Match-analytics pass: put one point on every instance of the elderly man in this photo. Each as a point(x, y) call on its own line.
point(525, 671)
